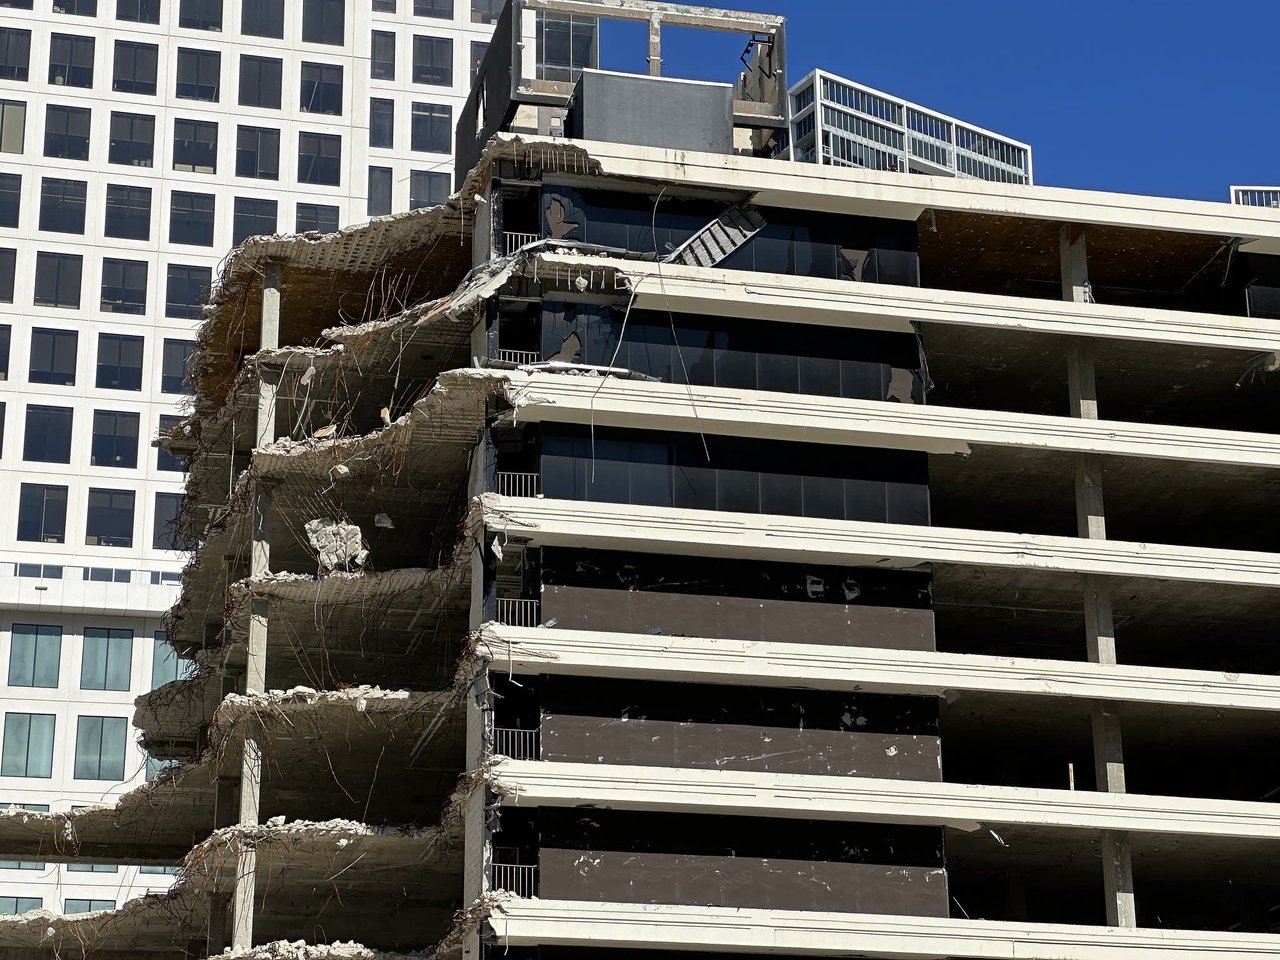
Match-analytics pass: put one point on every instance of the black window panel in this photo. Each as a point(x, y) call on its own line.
point(66, 132)
point(138, 11)
point(53, 357)
point(478, 50)
point(566, 45)
point(200, 14)
point(199, 74)
point(19, 4)
point(10, 198)
point(486, 11)
point(164, 529)
point(379, 191)
point(135, 67)
point(70, 60)
point(323, 21)
point(173, 366)
point(384, 6)
point(382, 56)
point(110, 519)
point(5, 333)
point(382, 123)
point(128, 212)
point(164, 459)
point(427, 188)
point(431, 130)
point(47, 438)
point(62, 204)
point(321, 88)
point(78, 8)
point(433, 61)
point(195, 146)
point(258, 153)
point(186, 290)
point(115, 439)
point(320, 159)
point(42, 513)
point(260, 81)
point(124, 286)
point(439, 9)
point(191, 218)
point(262, 18)
point(133, 138)
point(15, 53)
point(58, 280)
point(8, 271)
point(317, 217)
point(253, 217)
point(119, 362)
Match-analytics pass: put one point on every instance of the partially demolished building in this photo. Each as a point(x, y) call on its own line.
point(657, 551)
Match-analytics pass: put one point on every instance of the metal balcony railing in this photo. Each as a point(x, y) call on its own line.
point(519, 613)
point(522, 357)
point(519, 484)
point(517, 240)
point(517, 744)
point(514, 878)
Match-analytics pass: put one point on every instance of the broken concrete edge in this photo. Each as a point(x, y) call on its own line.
point(301, 950)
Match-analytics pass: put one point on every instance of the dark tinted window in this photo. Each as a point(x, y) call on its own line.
point(379, 191)
point(486, 11)
point(253, 217)
point(322, 21)
point(198, 74)
point(42, 513)
point(62, 205)
point(427, 188)
point(110, 519)
point(10, 198)
point(186, 289)
point(260, 79)
point(382, 123)
point(135, 67)
point(382, 56)
point(124, 286)
point(440, 9)
point(119, 362)
point(195, 146)
point(319, 158)
point(321, 88)
point(318, 217)
point(133, 137)
point(191, 218)
point(48, 434)
point(128, 212)
point(258, 153)
point(164, 529)
point(138, 11)
point(66, 132)
point(8, 270)
point(15, 53)
point(431, 130)
point(13, 126)
point(53, 357)
point(173, 366)
point(433, 61)
point(79, 8)
point(200, 14)
point(70, 60)
point(164, 459)
point(262, 18)
point(58, 280)
point(115, 439)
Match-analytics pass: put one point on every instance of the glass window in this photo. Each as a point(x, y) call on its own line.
point(384, 6)
point(79, 8)
point(382, 123)
point(35, 652)
point(164, 459)
point(110, 519)
point(195, 146)
point(47, 438)
point(260, 81)
point(433, 61)
point(199, 74)
point(258, 152)
point(124, 286)
point(15, 53)
point(486, 11)
point(566, 44)
point(13, 906)
point(10, 198)
point(173, 366)
point(13, 126)
point(164, 531)
point(323, 21)
point(321, 88)
point(135, 67)
point(320, 158)
point(5, 331)
point(191, 218)
point(42, 513)
point(80, 905)
point(382, 56)
point(478, 50)
point(100, 743)
point(62, 205)
point(8, 271)
point(262, 18)
point(115, 439)
point(91, 867)
point(28, 745)
point(133, 137)
point(58, 280)
point(427, 188)
point(432, 128)
point(252, 217)
point(138, 11)
point(66, 132)
point(119, 362)
point(53, 357)
point(379, 191)
point(107, 659)
point(317, 218)
point(70, 60)
point(440, 9)
point(128, 212)
point(186, 290)
point(200, 14)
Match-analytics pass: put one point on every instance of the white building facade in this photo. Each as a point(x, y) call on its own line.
point(139, 141)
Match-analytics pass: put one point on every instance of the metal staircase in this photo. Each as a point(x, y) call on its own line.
point(718, 239)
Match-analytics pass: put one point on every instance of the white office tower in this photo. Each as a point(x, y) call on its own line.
point(139, 141)
point(845, 124)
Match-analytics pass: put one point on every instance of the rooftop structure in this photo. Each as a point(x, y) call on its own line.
point(1256, 196)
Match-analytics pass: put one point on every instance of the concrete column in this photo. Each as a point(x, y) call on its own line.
point(655, 46)
point(1108, 751)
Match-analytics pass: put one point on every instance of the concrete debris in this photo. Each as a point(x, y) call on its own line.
point(301, 950)
point(383, 522)
point(340, 546)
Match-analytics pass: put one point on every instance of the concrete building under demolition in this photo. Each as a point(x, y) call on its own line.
point(662, 550)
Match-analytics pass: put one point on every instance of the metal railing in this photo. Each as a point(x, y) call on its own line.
point(517, 744)
point(514, 878)
point(519, 613)
point(521, 357)
point(519, 484)
point(517, 240)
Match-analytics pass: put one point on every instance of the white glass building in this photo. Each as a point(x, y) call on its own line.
point(139, 141)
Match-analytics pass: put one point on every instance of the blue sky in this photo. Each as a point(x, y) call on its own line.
point(1167, 97)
